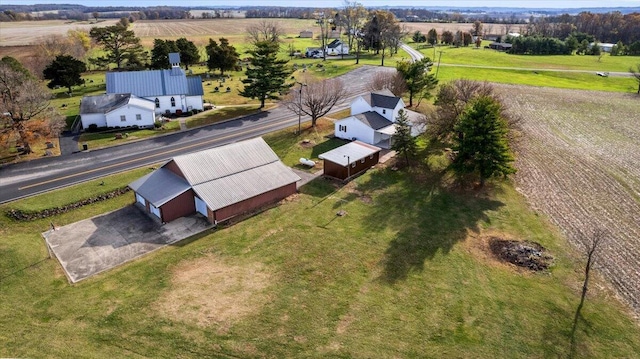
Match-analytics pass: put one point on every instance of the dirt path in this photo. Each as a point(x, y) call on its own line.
point(578, 162)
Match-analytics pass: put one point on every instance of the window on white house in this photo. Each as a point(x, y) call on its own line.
point(138, 117)
point(123, 118)
point(173, 102)
point(157, 102)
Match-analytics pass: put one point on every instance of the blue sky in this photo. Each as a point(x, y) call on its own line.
point(339, 3)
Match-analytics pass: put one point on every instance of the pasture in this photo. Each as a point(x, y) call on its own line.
point(406, 272)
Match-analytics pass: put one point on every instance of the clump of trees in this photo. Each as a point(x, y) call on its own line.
point(189, 54)
point(121, 46)
point(223, 56)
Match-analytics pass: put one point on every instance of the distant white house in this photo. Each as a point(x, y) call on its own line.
point(373, 118)
point(116, 110)
point(604, 46)
point(172, 91)
point(337, 47)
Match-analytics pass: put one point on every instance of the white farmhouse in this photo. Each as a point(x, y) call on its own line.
point(172, 91)
point(373, 119)
point(116, 110)
point(337, 47)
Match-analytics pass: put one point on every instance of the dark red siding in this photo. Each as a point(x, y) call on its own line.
point(173, 167)
point(180, 206)
point(335, 170)
point(254, 202)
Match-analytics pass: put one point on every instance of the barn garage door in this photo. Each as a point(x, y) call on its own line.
point(141, 200)
point(201, 207)
point(155, 210)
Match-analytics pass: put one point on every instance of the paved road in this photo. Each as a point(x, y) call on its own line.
point(38, 176)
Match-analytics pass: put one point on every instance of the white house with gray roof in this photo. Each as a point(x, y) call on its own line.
point(116, 110)
point(373, 119)
point(172, 91)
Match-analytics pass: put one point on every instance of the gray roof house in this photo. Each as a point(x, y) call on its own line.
point(121, 110)
point(373, 119)
point(171, 90)
point(219, 183)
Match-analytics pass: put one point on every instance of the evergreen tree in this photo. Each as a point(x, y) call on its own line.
point(483, 146)
point(402, 142)
point(189, 54)
point(65, 71)
point(223, 56)
point(417, 78)
point(266, 74)
point(121, 45)
point(432, 37)
point(160, 53)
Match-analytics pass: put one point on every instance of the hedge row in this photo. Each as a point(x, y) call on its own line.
point(20, 215)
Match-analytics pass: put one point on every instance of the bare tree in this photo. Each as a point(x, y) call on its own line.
point(75, 44)
point(592, 246)
point(265, 30)
point(25, 107)
point(315, 99)
point(353, 16)
point(636, 74)
point(392, 81)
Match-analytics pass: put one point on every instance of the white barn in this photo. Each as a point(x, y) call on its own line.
point(373, 117)
point(116, 110)
point(172, 91)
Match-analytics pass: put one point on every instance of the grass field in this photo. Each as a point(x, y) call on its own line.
point(405, 273)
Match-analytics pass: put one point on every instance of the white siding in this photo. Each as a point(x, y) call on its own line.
point(114, 118)
point(165, 103)
point(359, 105)
point(355, 129)
point(194, 103)
point(201, 207)
point(93, 118)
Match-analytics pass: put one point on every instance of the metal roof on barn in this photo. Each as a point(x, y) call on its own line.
point(349, 153)
point(160, 186)
point(373, 120)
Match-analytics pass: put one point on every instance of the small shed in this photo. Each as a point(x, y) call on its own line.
point(306, 34)
point(350, 160)
point(500, 46)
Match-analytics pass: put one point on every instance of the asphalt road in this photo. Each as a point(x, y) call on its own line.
point(38, 176)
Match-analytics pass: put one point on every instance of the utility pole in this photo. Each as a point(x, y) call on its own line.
point(300, 106)
point(348, 167)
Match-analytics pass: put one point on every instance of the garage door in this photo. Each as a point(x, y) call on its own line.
point(141, 200)
point(155, 210)
point(201, 207)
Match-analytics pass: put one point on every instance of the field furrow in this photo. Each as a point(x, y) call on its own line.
point(579, 163)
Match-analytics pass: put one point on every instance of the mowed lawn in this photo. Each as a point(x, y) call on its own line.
point(405, 273)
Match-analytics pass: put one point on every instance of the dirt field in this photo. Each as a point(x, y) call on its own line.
point(578, 162)
point(26, 32)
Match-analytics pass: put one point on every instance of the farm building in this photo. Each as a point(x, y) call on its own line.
point(172, 91)
point(337, 47)
point(604, 47)
point(219, 183)
point(350, 160)
point(306, 34)
point(372, 119)
point(123, 110)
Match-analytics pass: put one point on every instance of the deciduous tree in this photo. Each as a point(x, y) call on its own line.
point(353, 16)
point(25, 109)
point(265, 30)
point(65, 71)
point(392, 81)
point(402, 142)
point(315, 99)
point(483, 147)
point(416, 76)
point(432, 37)
point(636, 74)
point(266, 74)
point(447, 37)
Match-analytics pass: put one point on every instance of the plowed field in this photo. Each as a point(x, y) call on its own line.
point(579, 163)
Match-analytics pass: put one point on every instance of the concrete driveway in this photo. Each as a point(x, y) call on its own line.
point(100, 243)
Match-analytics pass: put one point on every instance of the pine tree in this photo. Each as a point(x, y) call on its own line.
point(416, 76)
point(402, 142)
point(483, 146)
point(223, 56)
point(65, 71)
point(266, 74)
